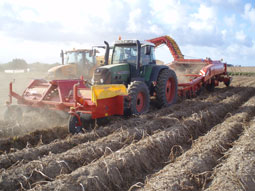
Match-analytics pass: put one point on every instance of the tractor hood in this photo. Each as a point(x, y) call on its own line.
point(112, 74)
point(55, 68)
point(62, 71)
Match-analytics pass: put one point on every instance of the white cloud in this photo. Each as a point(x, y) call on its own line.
point(52, 25)
point(240, 36)
point(233, 2)
point(31, 51)
point(230, 21)
point(133, 21)
point(204, 19)
point(170, 12)
point(155, 29)
point(249, 13)
point(224, 33)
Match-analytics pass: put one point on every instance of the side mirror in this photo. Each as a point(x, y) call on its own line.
point(62, 56)
point(147, 50)
point(92, 52)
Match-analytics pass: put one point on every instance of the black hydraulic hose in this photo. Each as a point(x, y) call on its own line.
point(106, 56)
point(138, 46)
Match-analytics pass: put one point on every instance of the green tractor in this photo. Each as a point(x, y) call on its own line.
point(133, 64)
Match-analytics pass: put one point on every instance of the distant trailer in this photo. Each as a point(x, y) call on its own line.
point(16, 71)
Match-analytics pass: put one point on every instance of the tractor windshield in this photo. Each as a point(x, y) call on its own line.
point(124, 54)
point(73, 57)
point(78, 58)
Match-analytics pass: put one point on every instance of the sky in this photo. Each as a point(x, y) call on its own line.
point(37, 30)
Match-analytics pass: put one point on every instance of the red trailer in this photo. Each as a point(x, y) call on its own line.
point(197, 72)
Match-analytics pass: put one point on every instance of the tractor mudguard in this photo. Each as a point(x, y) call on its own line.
point(154, 76)
point(155, 72)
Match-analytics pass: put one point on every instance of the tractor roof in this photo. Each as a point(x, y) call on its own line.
point(78, 50)
point(143, 43)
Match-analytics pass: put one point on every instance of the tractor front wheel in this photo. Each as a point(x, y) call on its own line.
point(139, 97)
point(166, 88)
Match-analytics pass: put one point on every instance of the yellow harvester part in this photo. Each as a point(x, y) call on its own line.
point(107, 91)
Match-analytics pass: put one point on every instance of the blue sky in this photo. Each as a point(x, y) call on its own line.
point(38, 30)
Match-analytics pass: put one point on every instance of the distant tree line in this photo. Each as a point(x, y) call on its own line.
point(20, 64)
point(17, 64)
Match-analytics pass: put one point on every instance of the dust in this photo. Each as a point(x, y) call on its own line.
point(182, 69)
point(28, 120)
point(20, 82)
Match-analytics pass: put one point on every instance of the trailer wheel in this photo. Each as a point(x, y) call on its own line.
point(72, 127)
point(210, 87)
point(139, 97)
point(227, 83)
point(166, 88)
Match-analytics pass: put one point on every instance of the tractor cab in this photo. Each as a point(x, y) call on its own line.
point(75, 63)
point(127, 52)
point(131, 59)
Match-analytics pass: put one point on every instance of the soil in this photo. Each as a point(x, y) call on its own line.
point(188, 146)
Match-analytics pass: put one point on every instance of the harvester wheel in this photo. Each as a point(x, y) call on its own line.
point(139, 97)
point(102, 121)
point(72, 125)
point(227, 83)
point(166, 88)
point(210, 87)
point(13, 113)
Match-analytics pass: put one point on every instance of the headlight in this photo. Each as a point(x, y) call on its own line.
point(102, 81)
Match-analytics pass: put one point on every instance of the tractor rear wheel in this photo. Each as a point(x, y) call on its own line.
point(166, 88)
point(72, 125)
point(139, 97)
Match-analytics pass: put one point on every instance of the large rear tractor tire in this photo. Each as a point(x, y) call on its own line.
point(166, 88)
point(139, 97)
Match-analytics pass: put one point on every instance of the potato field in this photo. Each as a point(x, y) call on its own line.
point(202, 143)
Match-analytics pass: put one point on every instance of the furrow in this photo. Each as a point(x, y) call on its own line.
point(119, 170)
point(59, 146)
point(176, 111)
point(237, 172)
point(49, 165)
point(192, 169)
point(32, 139)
